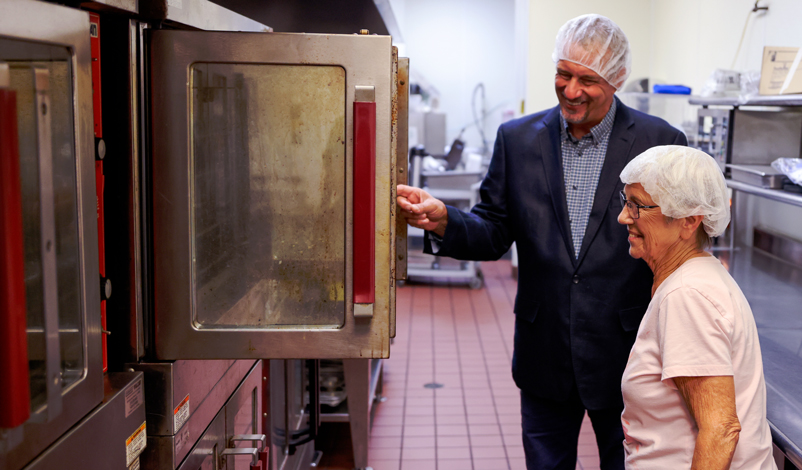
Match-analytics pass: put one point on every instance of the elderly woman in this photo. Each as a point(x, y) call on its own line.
point(694, 394)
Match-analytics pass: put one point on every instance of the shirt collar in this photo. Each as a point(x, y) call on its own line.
point(598, 132)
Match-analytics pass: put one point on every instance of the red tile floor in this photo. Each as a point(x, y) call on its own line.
point(459, 338)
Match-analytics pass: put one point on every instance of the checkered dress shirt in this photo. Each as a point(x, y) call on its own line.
point(582, 164)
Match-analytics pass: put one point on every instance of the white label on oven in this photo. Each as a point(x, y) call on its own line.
point(175, 3)
point(135, 465)
point(135, 444)
point(181, 414)
point(134, 397)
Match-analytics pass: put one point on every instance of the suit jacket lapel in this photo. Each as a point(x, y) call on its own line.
point(549, 141)
point(618, 147)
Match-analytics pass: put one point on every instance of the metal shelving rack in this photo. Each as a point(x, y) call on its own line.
point(363, 386)
point(457, 188)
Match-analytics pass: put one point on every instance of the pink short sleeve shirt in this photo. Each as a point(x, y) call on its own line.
point(698, 324)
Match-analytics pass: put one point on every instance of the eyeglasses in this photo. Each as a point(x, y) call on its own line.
point(633, 208)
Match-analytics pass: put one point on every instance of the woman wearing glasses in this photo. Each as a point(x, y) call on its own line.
point(694, 394)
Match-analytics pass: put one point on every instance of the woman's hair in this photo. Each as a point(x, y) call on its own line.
point(684, 182)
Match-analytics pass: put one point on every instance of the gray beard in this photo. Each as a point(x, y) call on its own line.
point(574, 120)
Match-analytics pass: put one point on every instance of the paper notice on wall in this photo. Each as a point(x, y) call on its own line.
point(780, 74)
point(181, 414)
point(135, 444)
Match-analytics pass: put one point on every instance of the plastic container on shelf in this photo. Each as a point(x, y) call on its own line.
point(674, 108)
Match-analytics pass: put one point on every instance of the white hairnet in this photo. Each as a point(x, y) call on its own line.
point(597, 43)
point(683, 181)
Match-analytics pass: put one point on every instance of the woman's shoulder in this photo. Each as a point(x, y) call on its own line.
point(706, 280)
point(704, 271)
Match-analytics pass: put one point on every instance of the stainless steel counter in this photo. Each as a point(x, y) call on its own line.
point(774, 291)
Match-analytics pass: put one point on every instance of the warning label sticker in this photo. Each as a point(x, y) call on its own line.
point(135, 444)
point(181, 414)
point(134, 397)
point(135, 465)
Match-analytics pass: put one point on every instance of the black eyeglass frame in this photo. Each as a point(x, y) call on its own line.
point(626, 203)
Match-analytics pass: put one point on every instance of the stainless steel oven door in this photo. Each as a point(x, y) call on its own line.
point(273, 194)
point(44, 51)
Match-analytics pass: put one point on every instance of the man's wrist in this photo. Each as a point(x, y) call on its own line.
point(440, 230)
point(436, 237)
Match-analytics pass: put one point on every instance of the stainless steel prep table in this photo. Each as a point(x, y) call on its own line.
point(774, 290)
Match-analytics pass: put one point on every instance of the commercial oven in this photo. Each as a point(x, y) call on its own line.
point(273, 194)
point(260, 218)
point(51, 360)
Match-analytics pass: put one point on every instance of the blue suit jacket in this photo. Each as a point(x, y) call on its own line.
point(576, 319)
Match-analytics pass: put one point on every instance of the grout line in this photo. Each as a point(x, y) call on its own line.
point(406, 373)
point(487, 370)
point(459, 368)
point(434, 372)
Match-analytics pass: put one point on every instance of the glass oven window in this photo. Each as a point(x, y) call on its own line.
point(268, 195)
point(52, 97)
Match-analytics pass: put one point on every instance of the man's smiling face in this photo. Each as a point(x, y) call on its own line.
point(584, 96)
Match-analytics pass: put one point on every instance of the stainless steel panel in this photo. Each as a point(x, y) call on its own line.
point(288, 414)
point(200, 14)
point(760, 137)
point(168, 451)
point(366, 60)
point(763, 176)
point(98, 442)
point(780, 196)
point(358, 386)
point(402, 170)
point(759, 100)
point(779, 245)
point(137, 325)
point(167, 384)
point(773, 288)
point(145, 193)
point(47, 228)
point(113, 6)
point(242, 415)
point(238, 414)
point(39, 29)
point(205, 455)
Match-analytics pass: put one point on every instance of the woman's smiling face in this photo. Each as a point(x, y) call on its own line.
point(652, 235)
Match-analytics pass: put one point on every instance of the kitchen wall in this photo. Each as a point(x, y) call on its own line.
point(691, 38)
point(507, 45)
point(456, 44)
point(678, 42)
point(545, 18)
point(673, 41)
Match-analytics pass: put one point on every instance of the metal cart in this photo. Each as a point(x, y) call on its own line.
point(457, 188)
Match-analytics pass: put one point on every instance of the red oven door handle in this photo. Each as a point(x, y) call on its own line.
point(364, 201)
point(15, 396)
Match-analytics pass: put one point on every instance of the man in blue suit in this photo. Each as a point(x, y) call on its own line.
point(553, 188)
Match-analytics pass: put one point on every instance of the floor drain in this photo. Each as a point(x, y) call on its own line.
point(433, 385)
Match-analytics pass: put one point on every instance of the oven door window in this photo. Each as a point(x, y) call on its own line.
point(268, 195)
point(49, 210)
